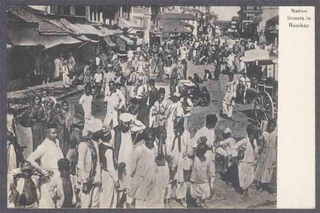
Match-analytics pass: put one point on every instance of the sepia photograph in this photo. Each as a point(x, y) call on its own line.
point(130, 107)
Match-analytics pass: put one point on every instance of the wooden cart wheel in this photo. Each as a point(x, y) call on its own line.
point(263, 107)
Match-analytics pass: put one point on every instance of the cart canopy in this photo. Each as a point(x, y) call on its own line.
point(256, 55)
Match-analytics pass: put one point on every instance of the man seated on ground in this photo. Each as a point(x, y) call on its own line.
point(224, 149)
point(207, 75)
point(197, 79)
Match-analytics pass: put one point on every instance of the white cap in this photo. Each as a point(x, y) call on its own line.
point(227, 130)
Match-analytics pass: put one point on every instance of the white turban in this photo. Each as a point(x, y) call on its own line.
point(94, 125)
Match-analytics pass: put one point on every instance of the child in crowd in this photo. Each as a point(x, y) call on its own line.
point(63, 188)
point(202, 176)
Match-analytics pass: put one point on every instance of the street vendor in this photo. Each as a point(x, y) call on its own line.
point(225, 148)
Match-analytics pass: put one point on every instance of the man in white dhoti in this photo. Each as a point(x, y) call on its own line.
point(141, 90)
point(109, 174)
point(143, 171)
point(178, 152)
point(65, 75)
point(48, 153)
point(11, 141)
point(107, 77)
point(202, 176)
point(58, 67)
point(267, 161)
point(130, 55)
point(115, 102)
point(128, 126)
point(174, 110)
point(86, 102)
point(247, 156)
point(228, 101)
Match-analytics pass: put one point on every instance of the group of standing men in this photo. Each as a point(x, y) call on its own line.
point(140, 155)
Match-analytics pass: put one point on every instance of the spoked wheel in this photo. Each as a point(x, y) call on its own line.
point(263, 107)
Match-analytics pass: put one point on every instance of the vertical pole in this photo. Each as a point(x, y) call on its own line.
point(101, 17)
point(97, 16)
point(88, 12)
point(120, 12)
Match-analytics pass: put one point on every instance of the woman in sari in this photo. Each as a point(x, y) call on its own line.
point(66, 115)
point(55, 119)
point(37, 122)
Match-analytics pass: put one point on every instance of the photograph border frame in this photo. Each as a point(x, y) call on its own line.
point(3, 98)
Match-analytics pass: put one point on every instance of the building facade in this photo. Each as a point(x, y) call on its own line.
point(233, 29)
point(268, 12)
point(249, 20)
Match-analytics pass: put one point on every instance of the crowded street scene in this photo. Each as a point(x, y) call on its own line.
point(177, 109)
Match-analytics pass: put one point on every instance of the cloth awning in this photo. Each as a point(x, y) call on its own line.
point(72, 27)
point(106, 31)
point(51, 41)
point(86, 29)
point(85, 38)
point(109, 41)
point(126, 39)
point(89, 29)
point(23, 36)
point(28, 36)
point(123, 23)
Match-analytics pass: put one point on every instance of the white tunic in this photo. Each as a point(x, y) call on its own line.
point(86, 102)
point(48, 152)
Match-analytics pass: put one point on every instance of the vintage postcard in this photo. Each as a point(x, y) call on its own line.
point(171, 107)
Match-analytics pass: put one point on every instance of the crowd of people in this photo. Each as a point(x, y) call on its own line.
point(142, 153)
